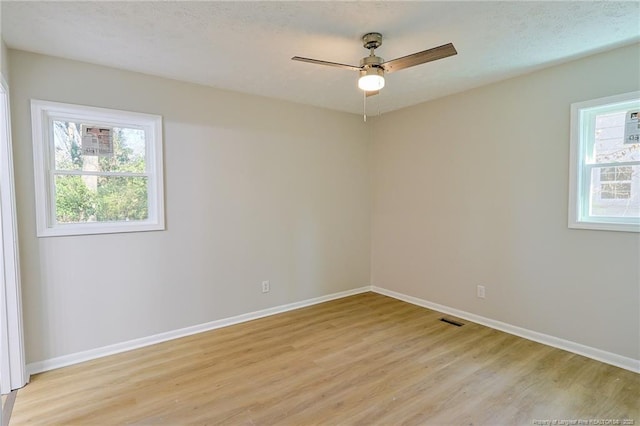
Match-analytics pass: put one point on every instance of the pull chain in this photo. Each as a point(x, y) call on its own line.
point(364, 105)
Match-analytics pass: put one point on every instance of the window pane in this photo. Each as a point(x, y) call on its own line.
point(615, 173)
point(609, 139)
point(100, 198)
point(128, 150)
point(608, 173)
point(122, 198)
point(624, 173)
point(615, 191)
point(66, 140)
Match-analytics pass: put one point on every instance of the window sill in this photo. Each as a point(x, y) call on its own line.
point(76, 229)
point(606, 226)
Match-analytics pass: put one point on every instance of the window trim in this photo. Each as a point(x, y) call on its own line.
point(579, 191)
point(43, 113)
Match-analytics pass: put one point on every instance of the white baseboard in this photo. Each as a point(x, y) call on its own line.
point(66, 360)
point(577, 348)
point(567, 345)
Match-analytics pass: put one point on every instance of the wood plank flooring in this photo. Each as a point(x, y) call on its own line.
point(362, 360)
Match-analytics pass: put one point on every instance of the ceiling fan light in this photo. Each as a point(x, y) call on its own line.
point(371, 79)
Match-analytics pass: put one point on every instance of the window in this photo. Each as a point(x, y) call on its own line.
point(615, 182)
point(96, 170)
point(605, 164)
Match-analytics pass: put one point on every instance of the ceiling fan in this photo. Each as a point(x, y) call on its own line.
point(373, 68)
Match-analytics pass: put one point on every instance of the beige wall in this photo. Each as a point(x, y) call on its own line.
point(472, 189)
point(256, 189)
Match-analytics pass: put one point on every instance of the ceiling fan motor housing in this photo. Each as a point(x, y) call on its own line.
point(371, 62)
point(372, 40)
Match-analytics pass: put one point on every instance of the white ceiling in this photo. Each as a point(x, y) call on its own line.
point(247, 46)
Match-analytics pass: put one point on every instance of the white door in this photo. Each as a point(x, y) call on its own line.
point(13, 374)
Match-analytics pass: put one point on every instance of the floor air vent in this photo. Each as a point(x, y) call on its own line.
point(452, 322)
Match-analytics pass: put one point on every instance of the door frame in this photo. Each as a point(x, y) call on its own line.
point(13, 371)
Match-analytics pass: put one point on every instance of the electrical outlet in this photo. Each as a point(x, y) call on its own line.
point(480, 291)
point(266, 286)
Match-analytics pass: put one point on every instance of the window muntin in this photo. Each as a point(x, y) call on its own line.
point(81, 189)
point(605, 164)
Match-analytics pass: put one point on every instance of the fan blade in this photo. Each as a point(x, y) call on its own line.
point(429, 55)
point(372, 93)
point(331, 64)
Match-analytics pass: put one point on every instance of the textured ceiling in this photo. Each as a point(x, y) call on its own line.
point(247, 46)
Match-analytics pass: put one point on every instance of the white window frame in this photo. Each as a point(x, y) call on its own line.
point(43, 113)
point(581, 164)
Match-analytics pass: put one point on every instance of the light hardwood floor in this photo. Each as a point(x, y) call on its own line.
point(366, 359)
